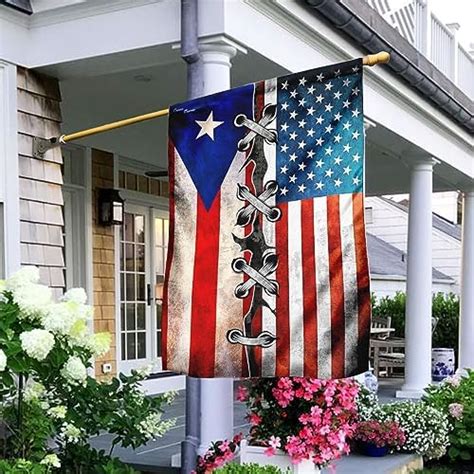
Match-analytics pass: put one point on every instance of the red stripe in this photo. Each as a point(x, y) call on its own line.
point(309, 289)
point(282, 301)
point(363, 281)
point(169, 256)
point(336, 284)
point(204, 294)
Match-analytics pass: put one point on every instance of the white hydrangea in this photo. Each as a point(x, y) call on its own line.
point(170, 396)
point(59, 319)
point(3, 286)
point(70, 433)
point(34, 391)
point(58, 413)
point(153, 427)
point(37, 343)
point(74, 370)
point(99, 343)
point(51, 460)
point(24, 277)
point(76, 295)
point(3, 361)
point(33, 300)
point(144, 371)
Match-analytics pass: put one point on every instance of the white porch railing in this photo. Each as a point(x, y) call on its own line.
point(414, 20)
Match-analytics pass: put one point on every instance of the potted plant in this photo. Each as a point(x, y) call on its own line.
point(298, 423)
point(376, 438)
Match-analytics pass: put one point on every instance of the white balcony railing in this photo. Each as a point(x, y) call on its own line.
point(414, 20)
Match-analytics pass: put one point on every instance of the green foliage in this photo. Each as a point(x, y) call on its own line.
point(252, 468)
point(455, 397)
point(20, 466)
point(445, 308)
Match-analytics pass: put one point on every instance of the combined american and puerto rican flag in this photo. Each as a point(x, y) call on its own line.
point(267, 271)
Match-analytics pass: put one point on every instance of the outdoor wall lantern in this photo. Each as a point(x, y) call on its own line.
point(111, 207)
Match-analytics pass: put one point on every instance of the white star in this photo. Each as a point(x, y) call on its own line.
point(310, 153)
point(355, 69)
point(338, 160)
point(355, 135)
point(346, 82)
point(356, 181)
point(355, 91)
point(283, 191)
point(319, 120)
point(303, 81)
point(311, 89)
point(346, 104)
point(347, 170)
point(311, 110)
point(337, 117)
point(319, 98)
point(337, 182)
point(328, 107)
point(319, 141)
point(284, 85)
point(293, 136)
point(320, 77)
point(302, 123)
point(284, 106)
point(337, 95)
point(319, 163)
point(301, 144)
point(283, 169)
point(302, 188)
point(356, 157)
point(347, 125)
point(302, 102)
point(284, 148)
point(355, 113)
point(207, 126)
point(310, 175)
point(293, 114)
point(320, 185)
point(293, 94)
point(310, 132)
point(284, 126)
point(293, 157)
point(293, 178)
point(328, 86)
point(302, 166)
point(329, 173)
point(337, 138)
point(337, 73)
point(347, 148)
point(328, 150)
point(328, 128)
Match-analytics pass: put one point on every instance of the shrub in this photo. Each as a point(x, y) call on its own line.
point(380, 433)
point(248, 469)
point(455, 397)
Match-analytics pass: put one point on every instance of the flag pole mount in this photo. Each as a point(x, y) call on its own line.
point(42, 145)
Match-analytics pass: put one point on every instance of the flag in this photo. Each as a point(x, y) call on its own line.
point(267, 271)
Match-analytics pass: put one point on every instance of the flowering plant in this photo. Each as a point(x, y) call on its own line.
point(455, 397)
point(307, 418)
point(381, 434)
point(220, 453)
point(46, 394)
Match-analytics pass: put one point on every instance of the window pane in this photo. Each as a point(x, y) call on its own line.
point(130, 287)
point(122, 317)
point(141, 316)
point(129, 256)
point(122, 287)
point(124, 348)
point(166, 223)
point(129, 227)
point(139, 228)
point(140, 258)
point(131, 346)
point(140, 287)
point(160, 268)
point(130, 317)
point(141, 345)
point(158, 344)
point(158, 231)
point(158, 316)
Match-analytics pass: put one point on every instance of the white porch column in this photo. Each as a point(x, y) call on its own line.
point(419, 281)
point(217, 398)
point(466, 323)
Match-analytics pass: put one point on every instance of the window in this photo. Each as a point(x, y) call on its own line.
point(369, 215)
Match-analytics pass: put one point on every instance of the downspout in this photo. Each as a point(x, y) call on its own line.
point(195, 86)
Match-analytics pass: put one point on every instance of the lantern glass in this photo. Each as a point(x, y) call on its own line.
point(111, 207)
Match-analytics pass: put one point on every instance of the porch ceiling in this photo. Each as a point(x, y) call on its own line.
point(110, 88)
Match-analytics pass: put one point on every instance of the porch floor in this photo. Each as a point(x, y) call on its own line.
point(156, 455)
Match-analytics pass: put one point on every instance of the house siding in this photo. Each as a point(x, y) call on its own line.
point(40, 180)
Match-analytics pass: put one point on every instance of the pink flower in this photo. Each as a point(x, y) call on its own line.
point(255, 419)
point(270, 451)
point(454, 380)
point(242, 394)
point(456, 410)
point(274, 442)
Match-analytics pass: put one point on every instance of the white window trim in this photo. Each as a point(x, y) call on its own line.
point(9, 181)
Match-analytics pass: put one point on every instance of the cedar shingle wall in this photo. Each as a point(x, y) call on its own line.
point(103, 258)
point(41, 199)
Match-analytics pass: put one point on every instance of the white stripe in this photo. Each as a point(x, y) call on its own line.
point(268, 318)
point(295, 290)
point(323, 291)
point(349, 273)
point(229, 308)
point(180, 285)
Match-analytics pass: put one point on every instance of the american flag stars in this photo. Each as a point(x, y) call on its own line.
point(320, 134)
